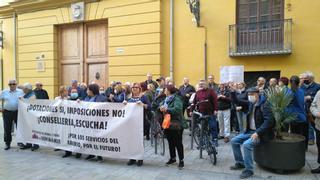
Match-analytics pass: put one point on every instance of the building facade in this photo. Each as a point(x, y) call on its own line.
point(55, 41)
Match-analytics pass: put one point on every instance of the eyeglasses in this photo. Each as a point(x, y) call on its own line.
point(12, 84)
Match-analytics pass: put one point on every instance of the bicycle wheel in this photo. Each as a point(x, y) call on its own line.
point(196, 135)
point(212, 152)
point(161, 144)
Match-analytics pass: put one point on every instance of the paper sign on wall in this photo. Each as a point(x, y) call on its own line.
point(231, 74)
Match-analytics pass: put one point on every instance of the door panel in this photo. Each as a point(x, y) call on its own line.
point(83, 53)
point(71, 53)
point(98, 73)
point(70, 72)
point(96, 42)
point(96, 52)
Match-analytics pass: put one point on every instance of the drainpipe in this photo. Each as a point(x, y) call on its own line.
point(15, 45)
point(171, 39)
point(205, 54)
point(1, 66)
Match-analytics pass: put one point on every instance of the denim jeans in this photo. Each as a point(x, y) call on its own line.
point(248, 144)
point(311, 132)
point(213, 127)
point(242, 119)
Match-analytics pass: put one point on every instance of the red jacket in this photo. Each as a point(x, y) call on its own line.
point(209, 107)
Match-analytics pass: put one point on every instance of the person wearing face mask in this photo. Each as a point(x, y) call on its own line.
point(63, 95)
point(241, 111)
point(74, 85)
point(310, 90)
point(119, 94)
point(260, 125)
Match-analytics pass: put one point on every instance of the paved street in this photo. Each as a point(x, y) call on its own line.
point(47, 164)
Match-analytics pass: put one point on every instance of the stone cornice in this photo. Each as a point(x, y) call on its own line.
point(22, 6)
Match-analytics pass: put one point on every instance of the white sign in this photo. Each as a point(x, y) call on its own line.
point(231, 74)
point(105, 129)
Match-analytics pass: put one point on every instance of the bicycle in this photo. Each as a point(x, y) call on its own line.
point(201, 134)
point(157, 134)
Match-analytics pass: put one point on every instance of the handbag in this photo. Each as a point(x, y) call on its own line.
point(166, 121)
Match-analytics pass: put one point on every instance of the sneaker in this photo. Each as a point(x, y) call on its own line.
point(67, 154)
point(34, 147)
point(246, 174)
point(99, 159)
point(215, 142)
point(311, 142)
point(226, 139)
point(140, 163)
point(7, 147)
point(237, 166)
point(78, 155)
point(181, 164)
point(25, 147)
point(171, 161)
point(131, 162)
point(90, 157)
point(316, 171)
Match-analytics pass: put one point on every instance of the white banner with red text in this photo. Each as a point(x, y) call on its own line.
point(106, 129)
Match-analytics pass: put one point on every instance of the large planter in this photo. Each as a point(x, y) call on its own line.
point(282, 155)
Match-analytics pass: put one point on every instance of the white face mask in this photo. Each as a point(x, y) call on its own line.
point(252, 99)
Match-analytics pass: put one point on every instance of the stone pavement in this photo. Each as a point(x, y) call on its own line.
point(47, 164)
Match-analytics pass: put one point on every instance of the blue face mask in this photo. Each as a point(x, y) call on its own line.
point(74, 95)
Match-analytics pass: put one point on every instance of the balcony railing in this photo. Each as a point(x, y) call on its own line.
point(261, 38)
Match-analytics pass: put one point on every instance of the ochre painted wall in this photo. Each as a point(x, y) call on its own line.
point(217, 15)
point(8, 51)
point(141, 28)
point(133, 25)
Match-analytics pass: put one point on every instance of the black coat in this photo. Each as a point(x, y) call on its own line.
point(263, 117)
point(41, 94)
point(243, 96)
point(183, 91)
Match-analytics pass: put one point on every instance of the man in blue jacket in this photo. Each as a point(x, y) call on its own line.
point(310, 90)
point(260, 124)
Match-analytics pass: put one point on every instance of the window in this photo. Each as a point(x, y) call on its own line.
point(259, 26)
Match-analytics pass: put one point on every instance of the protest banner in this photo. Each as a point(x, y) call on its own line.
point(105, 129)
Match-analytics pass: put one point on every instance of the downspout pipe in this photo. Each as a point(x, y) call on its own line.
point(1, 64)
point(15, 45)
point(171, 40)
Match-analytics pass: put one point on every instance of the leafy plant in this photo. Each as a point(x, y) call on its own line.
point(279, 100)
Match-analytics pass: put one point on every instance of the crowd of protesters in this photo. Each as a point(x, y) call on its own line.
point(233, 108)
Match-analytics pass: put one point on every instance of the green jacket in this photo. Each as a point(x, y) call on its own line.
point(175, 108)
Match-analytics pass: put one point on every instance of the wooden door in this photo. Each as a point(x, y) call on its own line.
point(96, 53)
point(83, 53)
point(71, 53)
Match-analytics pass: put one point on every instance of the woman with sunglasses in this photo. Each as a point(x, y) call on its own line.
point(139, 98)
